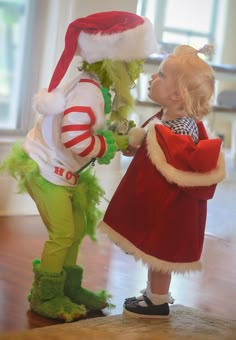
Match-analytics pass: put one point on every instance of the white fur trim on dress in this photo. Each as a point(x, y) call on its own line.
point(132, 44)
point(180, 177)
point(148, 260)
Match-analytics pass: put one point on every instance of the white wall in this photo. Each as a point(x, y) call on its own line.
point(12, 203)
point(59, 14)
point(228, 51)
point(53, 18)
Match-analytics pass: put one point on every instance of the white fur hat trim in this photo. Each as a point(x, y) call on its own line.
point(132, 44)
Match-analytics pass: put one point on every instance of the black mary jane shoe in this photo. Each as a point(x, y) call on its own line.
point(151, 311)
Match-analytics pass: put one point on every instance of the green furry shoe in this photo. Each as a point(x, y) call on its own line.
point(74, 290)
point(47, 297)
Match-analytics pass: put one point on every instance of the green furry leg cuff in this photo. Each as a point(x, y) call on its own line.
point(111, 147)
point(47, 296)
point(78, 294)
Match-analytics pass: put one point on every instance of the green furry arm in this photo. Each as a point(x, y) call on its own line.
point(122, 141)
point(111, 147)
point(107, 100)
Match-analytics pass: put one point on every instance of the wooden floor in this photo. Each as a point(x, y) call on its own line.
point(22, 238)
point(107, 267)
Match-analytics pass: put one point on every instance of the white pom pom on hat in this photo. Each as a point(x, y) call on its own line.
point(114, 35)
point(45, 102)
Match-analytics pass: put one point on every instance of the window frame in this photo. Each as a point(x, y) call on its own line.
point(28, 75)
point(160, 9)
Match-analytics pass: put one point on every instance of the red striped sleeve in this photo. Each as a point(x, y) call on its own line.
point(75, 127)
point(88, 149)
point(82, 109)
point(83, 80)
point(103, 146)
point(77, 139)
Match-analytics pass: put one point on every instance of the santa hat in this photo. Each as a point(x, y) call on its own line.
point(114, 35)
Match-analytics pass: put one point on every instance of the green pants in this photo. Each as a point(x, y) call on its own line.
point(64, 220)
point(69, 213)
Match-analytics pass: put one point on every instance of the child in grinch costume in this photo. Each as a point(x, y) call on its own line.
point(51, 163)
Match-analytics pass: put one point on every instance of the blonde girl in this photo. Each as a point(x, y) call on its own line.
point(163, 195)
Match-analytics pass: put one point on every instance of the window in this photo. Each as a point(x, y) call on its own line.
point(13, 23)
point(177, 22)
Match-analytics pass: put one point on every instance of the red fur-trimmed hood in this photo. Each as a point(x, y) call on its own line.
point(183, 163)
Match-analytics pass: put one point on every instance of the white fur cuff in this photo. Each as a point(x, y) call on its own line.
point(136, 136)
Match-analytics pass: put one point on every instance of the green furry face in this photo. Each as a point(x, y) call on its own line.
point(118, 76)
point(109, 71)
point(134, 69)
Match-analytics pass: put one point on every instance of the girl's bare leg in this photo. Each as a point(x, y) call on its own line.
point(159, 282)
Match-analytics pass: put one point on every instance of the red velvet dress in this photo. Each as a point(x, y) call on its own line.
point(158, 212)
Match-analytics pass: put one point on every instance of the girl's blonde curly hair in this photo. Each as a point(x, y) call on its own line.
point(195, 80)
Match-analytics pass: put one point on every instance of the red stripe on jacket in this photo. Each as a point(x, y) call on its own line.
point(75, 127)
point(77, 139)
point(82, 109)
point(103, 146)
point(83, 80)
point(89, 148)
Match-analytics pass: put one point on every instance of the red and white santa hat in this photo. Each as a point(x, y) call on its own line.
point(114, 35)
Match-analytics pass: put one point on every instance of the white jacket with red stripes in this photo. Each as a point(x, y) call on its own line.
point(63, 143)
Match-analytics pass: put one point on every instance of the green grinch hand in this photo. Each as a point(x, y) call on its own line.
point(121, 127)
point(122, 141)
point(131, 124)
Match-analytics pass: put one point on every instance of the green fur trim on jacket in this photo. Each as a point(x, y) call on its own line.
point(87, 194)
